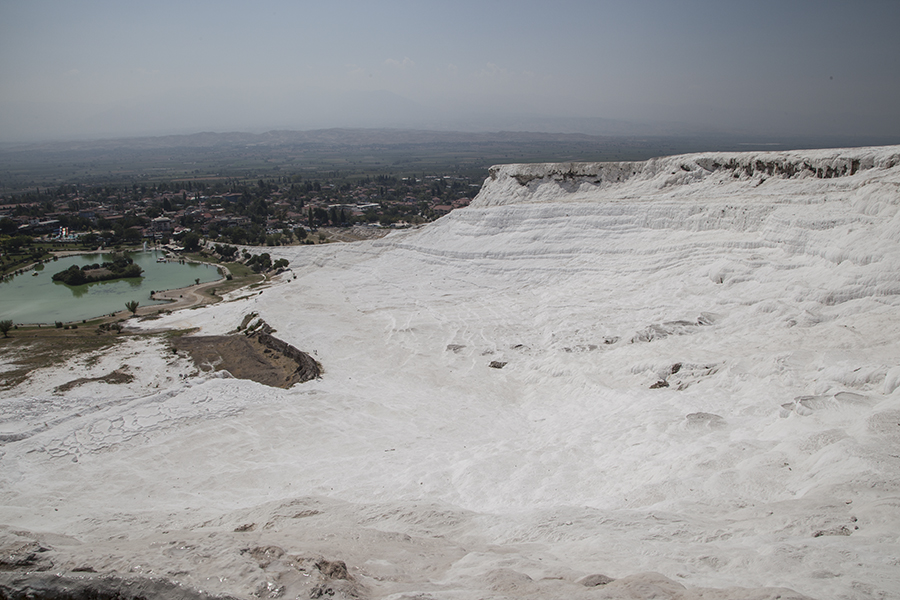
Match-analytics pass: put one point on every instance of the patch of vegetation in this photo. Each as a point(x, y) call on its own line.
point(241, 276)
point(19, 252)
point(239, 270)
point(260, 262)
point(226, 251)
point(119, 267)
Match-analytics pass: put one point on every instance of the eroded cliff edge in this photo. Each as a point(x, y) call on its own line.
point(515, 183)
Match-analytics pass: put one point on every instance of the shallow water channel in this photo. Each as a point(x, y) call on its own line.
point(34, 297)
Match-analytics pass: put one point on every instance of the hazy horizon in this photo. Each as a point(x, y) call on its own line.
point(104, 69)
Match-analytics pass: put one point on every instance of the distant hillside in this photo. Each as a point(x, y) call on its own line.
point(343, 137)
point(319, 153)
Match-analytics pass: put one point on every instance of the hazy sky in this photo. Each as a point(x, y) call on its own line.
point(74, 68)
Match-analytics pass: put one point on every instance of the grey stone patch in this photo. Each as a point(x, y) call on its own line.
point(509, 581)
point(25, 556)
point(839, 530)
point(703, 420)
point(594, 580)
point(662, 330)
point(264, 555)
point(807, 405)
point(86, 586)
point(581, 348)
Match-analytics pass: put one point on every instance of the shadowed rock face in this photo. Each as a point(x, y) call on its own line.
point(46, 586)
point(307, 368)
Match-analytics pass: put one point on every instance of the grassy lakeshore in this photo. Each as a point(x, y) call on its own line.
point(232, 275)
point(236, 275)
point(32, 347)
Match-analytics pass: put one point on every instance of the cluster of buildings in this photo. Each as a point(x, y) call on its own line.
point(129, 214)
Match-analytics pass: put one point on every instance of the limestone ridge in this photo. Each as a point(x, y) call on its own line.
point(256, 355)
point(307, 367)
point(513, 183)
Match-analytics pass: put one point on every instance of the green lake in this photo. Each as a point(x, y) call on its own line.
point(34, 297)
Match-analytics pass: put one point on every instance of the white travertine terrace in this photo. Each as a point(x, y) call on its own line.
point(701, 364)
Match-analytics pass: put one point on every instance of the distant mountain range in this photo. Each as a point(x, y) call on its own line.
point(317, 137)
point(360, 137)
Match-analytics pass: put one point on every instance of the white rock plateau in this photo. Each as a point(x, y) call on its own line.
point(699, 400)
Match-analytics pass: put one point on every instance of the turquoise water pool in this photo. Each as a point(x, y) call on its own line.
point(34, 297)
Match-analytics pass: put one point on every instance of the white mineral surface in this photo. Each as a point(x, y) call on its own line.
point(698, 399)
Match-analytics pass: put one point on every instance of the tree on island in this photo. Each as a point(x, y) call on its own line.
point(5, 326)
point(132, 305)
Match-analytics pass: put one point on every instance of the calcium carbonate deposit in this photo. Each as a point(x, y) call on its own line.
point(669, 379)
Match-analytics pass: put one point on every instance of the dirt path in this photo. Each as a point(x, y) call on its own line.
point(187, 297)
point(183, 298)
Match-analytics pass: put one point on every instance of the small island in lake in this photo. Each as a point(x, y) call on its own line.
point(120, 267)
